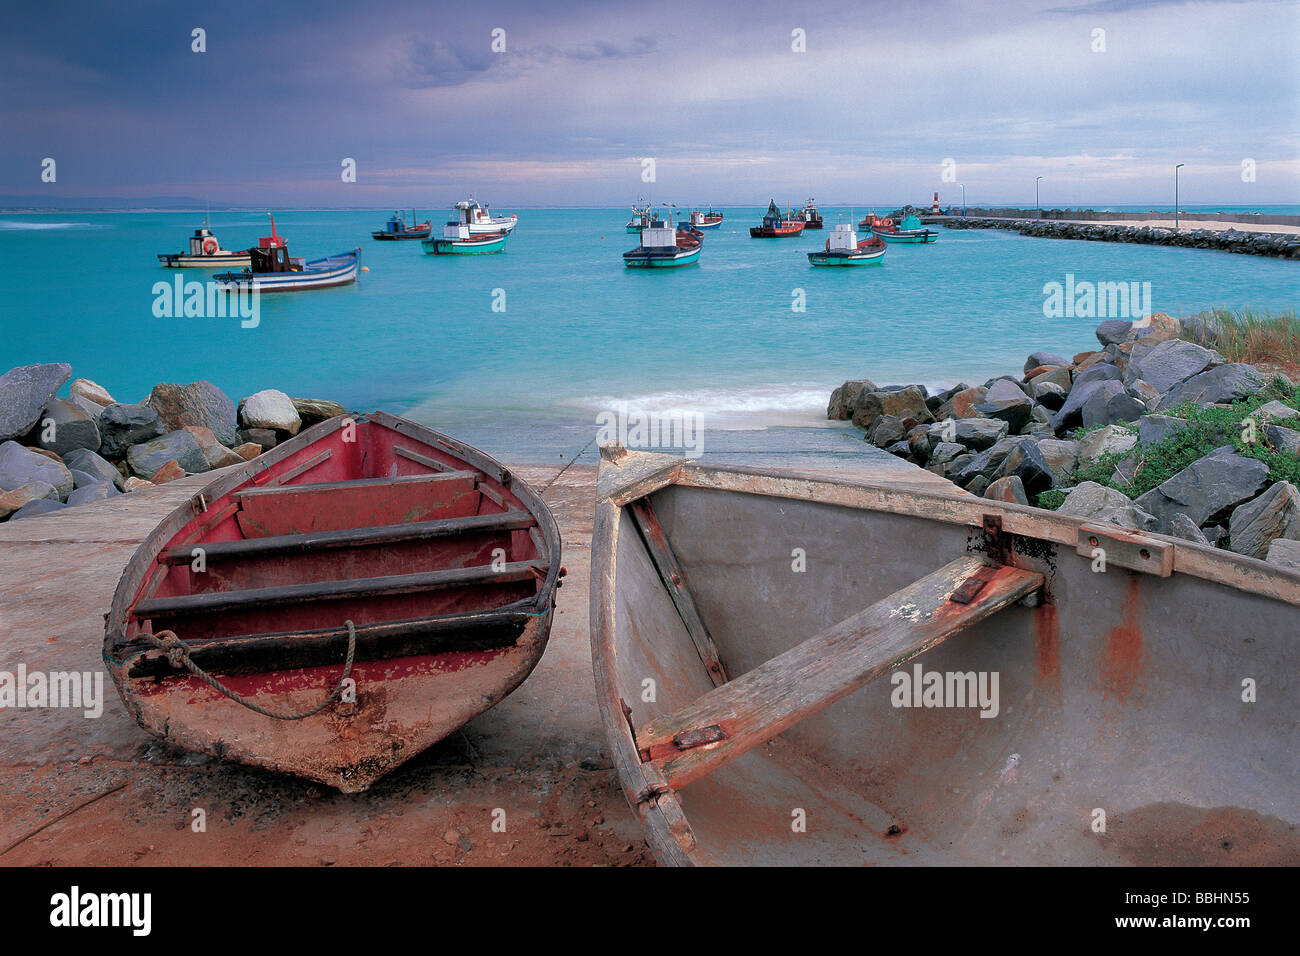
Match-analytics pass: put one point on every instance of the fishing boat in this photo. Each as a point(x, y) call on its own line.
point(705, 220)
point(274, 270)
point(205, 252)
point(641, 217)
point(479, 220)
point(787, 723)
point(458, 239)
point(909, 230)
point(775, 225)
point(812, 218)
point(843, 248)
point(663, 247)
point(338, 605)
point(871, 222)
point(397, 229)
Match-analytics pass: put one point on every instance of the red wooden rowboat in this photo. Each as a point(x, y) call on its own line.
point(339, 604)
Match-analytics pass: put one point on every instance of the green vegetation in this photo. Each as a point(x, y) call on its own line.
point(1207, 429)
point(1247, 335)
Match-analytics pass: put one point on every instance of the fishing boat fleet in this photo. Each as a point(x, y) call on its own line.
point(668, 238)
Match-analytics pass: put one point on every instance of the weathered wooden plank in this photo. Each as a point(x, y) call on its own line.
point(350, 537)
point(419, 459)
point(290, 474)
point(774, 696)
point(212, 601)
point(334, 506)
point(670, 572)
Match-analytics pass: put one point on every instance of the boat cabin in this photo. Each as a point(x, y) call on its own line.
point(204, 243)
point(772, 218)
point(843, 239)
point(471, 212)
point(659, 235)
point(911, 222)
point(271, 258)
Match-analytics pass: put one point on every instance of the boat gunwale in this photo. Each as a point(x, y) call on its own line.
point(659, 808)
point(144, 559)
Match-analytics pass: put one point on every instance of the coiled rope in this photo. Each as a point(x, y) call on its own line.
point(178, 655)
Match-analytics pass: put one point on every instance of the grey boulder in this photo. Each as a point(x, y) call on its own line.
point(1258, 523)
point(1227, 383)
point(64, 426)
point(19, 466)
point(181, 446)
point(121, 426)
point(1098, 503)
point(1207, 489)
point(24, 393)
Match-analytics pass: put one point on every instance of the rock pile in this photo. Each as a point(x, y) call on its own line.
point(1281, 245)
point(60, 452)
point(1015, 438)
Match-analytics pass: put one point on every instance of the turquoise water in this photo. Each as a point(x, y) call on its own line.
point(418, 334)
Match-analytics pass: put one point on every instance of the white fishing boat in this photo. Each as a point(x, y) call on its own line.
point(205, 253)
point(479, 219)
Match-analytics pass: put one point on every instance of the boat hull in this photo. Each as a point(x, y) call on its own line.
point(505, 224)
point(463, 247)
point(846, 259)
point(758, 232)
point(441, 636)
point(1120, 683)
point(182, 260)
point(396, 236)
point(903, 238)
point(707, 225)
point(316, 274)
point(660, 261)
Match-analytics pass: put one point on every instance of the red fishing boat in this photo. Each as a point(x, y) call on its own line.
point(338, 605)
point(775, 225)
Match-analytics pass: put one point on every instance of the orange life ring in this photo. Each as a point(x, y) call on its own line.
point(209, 246)
point(887, 222)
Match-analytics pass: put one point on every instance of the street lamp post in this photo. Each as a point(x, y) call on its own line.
point(1176, 168)
point(1037, 209)
point(963, 198)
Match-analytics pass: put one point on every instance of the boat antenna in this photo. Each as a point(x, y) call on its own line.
point(272, 226)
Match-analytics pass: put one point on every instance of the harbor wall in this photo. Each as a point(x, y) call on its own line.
point(1102, 215)
point(1277, 245)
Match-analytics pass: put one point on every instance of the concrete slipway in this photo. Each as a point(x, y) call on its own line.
point(100, 791)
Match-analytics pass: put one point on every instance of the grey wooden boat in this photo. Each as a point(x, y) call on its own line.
point(760, 642)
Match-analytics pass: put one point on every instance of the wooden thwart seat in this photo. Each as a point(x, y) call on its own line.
point(210, 601)
point(760, 704)
point(350, 538)
point(276, 510)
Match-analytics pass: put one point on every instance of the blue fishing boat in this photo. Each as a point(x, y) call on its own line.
point(706, 220)
point(844, 249)
point(398, 229)
point(458, 240)
point(909, 230)
point(272, 269)
point(663, 247)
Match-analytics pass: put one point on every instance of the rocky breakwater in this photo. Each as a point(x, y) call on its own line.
point(1151, 432)
point(1280, 245)
point(59, 452)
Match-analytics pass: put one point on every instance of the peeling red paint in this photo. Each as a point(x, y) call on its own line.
point(1047, 647)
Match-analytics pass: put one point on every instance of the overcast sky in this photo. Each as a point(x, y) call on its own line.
point(714, 92)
